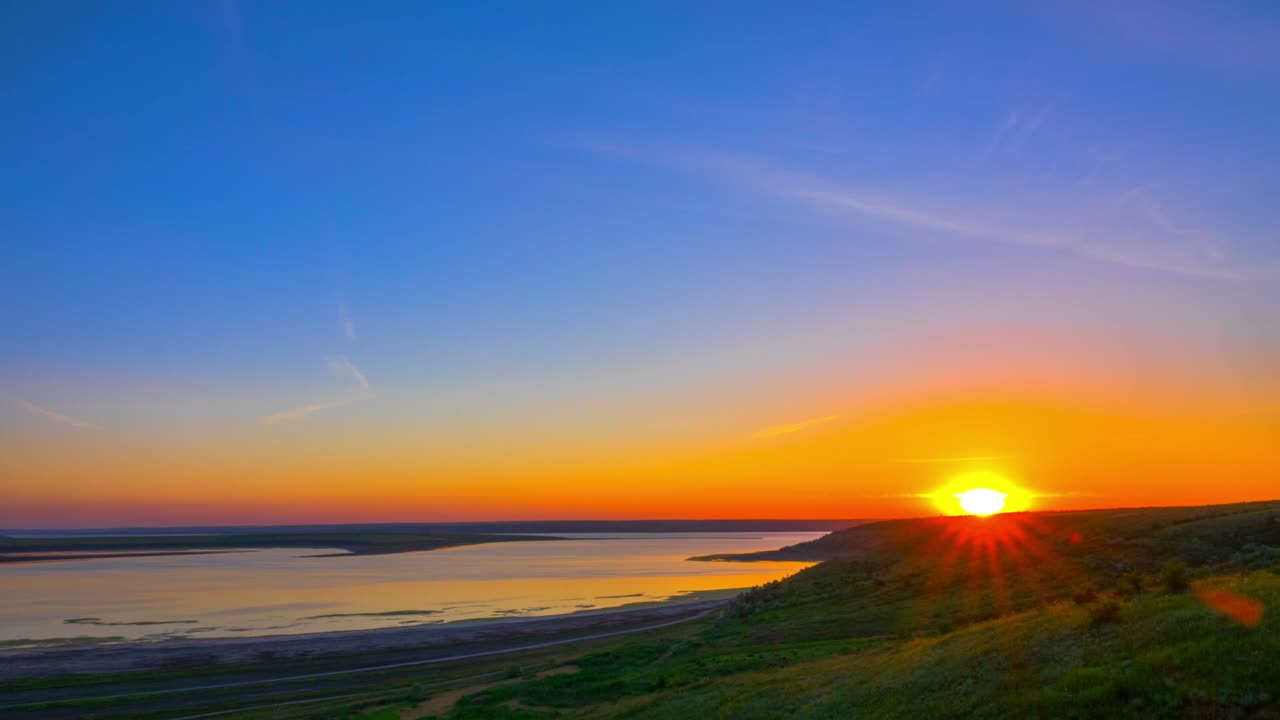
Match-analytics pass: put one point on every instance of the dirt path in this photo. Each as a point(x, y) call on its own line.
point(443, 703)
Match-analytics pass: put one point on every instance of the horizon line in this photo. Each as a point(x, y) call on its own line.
point(602, 520)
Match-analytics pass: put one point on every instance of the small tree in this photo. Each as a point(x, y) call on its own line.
point(1107, 611)
point(1174, 576)
point(1085, 595)
point(1129, 584)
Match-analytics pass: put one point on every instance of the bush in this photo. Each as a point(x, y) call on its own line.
point(418, 692)
point(1129, 584)
point(1105, 612)
point(1174, 577)
point(1254, 556)
point(1085, 595)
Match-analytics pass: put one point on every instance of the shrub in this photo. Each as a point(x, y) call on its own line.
point(1129, 584)
point(1257, 556)
point(1085, 595)
point(1105, 612)
point(1174, 576)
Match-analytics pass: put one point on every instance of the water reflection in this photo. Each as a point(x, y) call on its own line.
point(284, 591)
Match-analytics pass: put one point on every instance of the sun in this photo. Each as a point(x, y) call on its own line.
point(981, 493)
point(981, 501)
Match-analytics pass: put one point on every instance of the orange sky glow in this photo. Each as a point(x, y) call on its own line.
point(1082, 441)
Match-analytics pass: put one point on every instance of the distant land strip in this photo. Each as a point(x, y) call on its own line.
point(493, 527)
point(42, 557)
point(353, 543)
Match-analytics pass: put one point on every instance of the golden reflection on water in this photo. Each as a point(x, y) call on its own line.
point(283, 591)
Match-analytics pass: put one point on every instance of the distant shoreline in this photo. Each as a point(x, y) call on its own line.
point(350, 540)
point(496, 527)
point(46, 558)
point(24, 550)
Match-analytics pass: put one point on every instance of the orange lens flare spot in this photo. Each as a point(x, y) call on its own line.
point(982, 501)
point(1241, 608)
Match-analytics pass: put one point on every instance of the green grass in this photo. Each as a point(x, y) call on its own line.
point(957, 619)
point(1168, 655)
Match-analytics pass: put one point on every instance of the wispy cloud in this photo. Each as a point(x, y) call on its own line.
point(1134, 232)
point(1227, 36)
point(1016, 129)
point(1142, 200)
point(960, 459)
point(1010, 122)
point(1156, 247)
point(1038, 494)
point(339, 366)
point(285, 417)
point(54, 416)
point(789, 428)
point(345, 322)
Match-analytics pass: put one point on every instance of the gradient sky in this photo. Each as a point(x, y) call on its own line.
point(300, 262)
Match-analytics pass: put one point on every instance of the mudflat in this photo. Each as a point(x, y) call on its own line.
point(347, 648)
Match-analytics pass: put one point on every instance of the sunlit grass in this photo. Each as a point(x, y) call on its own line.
point(1003, 617)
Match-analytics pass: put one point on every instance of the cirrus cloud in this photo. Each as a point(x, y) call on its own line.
point(339, 366)
point(789, 428)
point(54, 416)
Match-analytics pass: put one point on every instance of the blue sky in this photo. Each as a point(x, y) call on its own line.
point(213, 213)
point(184, 178)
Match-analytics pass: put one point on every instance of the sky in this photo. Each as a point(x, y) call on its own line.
point(325, 262)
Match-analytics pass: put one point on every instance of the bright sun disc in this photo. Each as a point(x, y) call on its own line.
point(981, 501)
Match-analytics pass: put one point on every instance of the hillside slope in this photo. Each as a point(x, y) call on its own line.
point(1223, 526)
point(1032, 615)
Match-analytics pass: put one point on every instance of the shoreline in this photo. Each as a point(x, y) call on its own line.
point(426, 641)
point(20, 559)
point(89, 642)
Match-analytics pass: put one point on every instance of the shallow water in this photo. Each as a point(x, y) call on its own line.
point(264, 592)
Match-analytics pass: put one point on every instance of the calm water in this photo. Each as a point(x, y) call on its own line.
point(265, 592)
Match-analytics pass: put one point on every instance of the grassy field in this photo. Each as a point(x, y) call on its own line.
point(1126, 614)
point(1150, 613)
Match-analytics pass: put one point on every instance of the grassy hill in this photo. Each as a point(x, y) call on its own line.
point(1134, 613)
point(1226, 525)
point(1147, 613)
